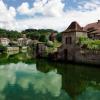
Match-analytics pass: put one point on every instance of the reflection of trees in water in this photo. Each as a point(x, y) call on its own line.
point(16, 92)
point(75, 78)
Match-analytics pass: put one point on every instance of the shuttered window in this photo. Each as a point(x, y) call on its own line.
point(68, 40)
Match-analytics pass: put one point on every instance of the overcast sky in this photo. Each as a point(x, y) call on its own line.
point(51, 14)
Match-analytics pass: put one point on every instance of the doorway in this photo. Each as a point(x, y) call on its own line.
point(65, 54)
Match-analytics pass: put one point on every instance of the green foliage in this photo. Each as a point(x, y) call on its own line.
point(13, 34)
point(41, 35)
point(59, 37)
point(33, 35)
point(23, 57)
point(38, 34)
point(9, 34)
point(43, 38)
point(91, 44)
point(50, 44)
point(2, 49)
point(53, 48)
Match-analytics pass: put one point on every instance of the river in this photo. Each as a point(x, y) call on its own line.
point(43, 80)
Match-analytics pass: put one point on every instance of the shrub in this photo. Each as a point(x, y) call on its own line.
point(91, 44)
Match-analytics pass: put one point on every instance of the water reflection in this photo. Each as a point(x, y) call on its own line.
point(75, 78)
point(24, 82)
point(90, 94)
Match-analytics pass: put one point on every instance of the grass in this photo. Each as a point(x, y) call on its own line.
point(4, 59)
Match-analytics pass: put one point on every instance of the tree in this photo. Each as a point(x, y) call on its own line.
point(2, 49)
point(43, 38)
point(9, 34)
point(59, 37)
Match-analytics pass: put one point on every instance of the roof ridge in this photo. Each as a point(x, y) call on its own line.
point(74, 26)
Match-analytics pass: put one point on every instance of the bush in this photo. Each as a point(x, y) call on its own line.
point(2, 49)
point(43, 38)
point(50, 44)
point(91, 44)
point(59, 37)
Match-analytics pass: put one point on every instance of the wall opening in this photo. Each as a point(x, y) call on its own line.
point(68, 40)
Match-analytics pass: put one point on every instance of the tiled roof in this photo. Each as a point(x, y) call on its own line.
point(93, 27)
point(74, 26)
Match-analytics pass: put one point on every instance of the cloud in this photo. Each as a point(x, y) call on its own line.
point(61, 23)
point(24, 8)
point(42, 23)
point(6, 14)
point(44, 7)
point(48, 14)
point(89, 5)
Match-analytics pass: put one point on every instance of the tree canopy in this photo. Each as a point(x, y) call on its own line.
point(9, 34)
point(38, 34)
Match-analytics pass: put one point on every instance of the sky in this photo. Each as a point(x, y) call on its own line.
point(47, 14)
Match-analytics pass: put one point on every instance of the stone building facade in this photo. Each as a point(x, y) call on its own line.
point(69, 40)
point(40, 50)
point(4, 41)
point(71, 51)
point(87, 56)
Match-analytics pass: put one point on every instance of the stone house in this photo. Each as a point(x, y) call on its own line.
point(40, 49)
point(21, 41)
point(93, 30)
point(70, 38)
point(52, 36)
point(4, 41)
point(24, 42)
point(71, 51)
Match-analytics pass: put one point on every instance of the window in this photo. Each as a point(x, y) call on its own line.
point(68, 40)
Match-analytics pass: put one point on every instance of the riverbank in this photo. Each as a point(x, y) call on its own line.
point(20, 57)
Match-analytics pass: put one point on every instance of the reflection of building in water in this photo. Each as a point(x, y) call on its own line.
point(12, 50)
point(24, 49)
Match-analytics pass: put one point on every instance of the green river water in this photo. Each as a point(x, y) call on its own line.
point(43, 80)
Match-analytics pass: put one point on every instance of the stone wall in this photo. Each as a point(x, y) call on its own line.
point(12, 50)
point(87, 56)
point(40, 50)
